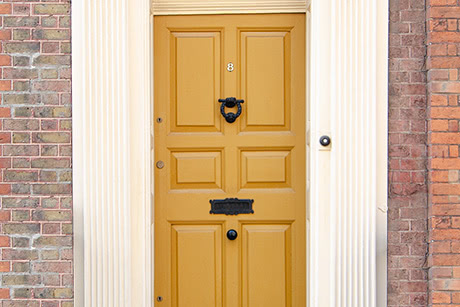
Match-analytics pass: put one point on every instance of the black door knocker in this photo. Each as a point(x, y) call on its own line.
point(230, 102)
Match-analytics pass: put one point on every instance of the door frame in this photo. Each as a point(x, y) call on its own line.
point(112, 94)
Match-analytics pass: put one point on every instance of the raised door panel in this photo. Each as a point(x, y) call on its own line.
point(197, 265)
point(195, 81)
point(266, 265)
point(265, 80)
point(265, 169)
point(199, 169)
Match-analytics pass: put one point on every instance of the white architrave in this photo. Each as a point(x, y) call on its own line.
point(184, 7)
point(112, 112)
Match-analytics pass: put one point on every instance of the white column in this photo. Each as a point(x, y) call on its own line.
point(348, 180)
point(111, 111)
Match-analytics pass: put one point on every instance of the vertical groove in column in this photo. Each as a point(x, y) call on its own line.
point(354, 149)
point(106, 168)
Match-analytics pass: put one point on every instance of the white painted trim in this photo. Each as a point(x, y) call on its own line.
point(181, 7)
point(348, 190)
point(111, 152)
point(112, 114)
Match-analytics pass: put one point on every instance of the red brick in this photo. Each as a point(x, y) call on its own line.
point(5, 35)
point(440, 297)
point(5, 60)
point(445, 112)
point(5, 85)
point(5, 112)
point(4, 293)
point(5, 189)
point(444, 12)
point(4, 241)
point(5, 8)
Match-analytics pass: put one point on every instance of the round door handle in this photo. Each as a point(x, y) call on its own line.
point(232, 234)
point(325, 141)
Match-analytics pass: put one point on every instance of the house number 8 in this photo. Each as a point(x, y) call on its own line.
point(230, 67)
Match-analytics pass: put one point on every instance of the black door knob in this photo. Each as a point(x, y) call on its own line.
point(232, 234)
point(325, 140)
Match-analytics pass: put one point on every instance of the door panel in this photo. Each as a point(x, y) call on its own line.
point(261, 156)
point(196, 170)
point(266, 253)
point(197, 265)
point(265, 57)
point(195, 80)
point(265, 168)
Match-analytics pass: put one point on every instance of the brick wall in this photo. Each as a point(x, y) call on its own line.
point(443, 141)
point(407, 215)
point(35, 154)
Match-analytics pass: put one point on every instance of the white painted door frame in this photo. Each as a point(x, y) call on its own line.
point(112, 136)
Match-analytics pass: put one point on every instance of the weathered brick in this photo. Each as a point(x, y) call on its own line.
point(51, 189)
point(51, 9)
point(13, 228)
point(21, 124)
point(20, 188)
point(53, 86)
point(20, 73)
point(20, 202)
point(21, 293)
point(49, 293)
point(50, 202)
point(49, 22)
point(21, 61)
point(52, 266)
point(21, 137)
point(21, 280)
point(51, 215)
point(52, 60)
point(21, 21)
point(51, 34)
point(67, 229)
point(49, 150)
point(25, 47)
point(20, 254)
point(15, 176)
point(18, 99)
point(52, 241)
point(17, 303)
point(50, 163)
point(65, 48)
point(20, 150)
point(21, 267)
point(51, 137)
point(22, 112)
point(64, 22)
point(48, 176)
point(65, 176)
point(48, 254)
point(20, 242)
point(20, 215)
point(49, 74)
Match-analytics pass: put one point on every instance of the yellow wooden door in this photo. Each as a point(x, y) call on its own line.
point(201, 157)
